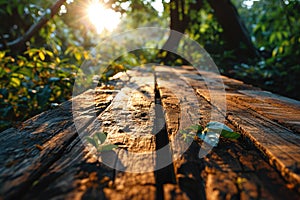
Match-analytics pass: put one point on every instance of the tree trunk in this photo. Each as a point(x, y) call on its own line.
point(178, 24)
point(19, 43)
point(235, 32)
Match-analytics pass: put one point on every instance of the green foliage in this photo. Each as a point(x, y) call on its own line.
point(205, 29)
point(42, 73)
point(141, 14)
point(275, 29)
point(99, 142)
point(21, 15)
point(32, 82)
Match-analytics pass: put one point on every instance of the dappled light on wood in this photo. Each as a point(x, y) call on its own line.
point(149, 99)
point(47, 155)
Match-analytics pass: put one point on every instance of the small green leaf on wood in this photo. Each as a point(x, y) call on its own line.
point(230, 135)
point(215, 128)
point(98, 141)
point(92, 141)
point(101, 137)
point(196, 127)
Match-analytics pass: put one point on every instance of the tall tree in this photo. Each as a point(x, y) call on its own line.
point(235, 32)
point(179, 21)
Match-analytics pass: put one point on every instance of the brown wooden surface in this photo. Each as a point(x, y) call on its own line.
point(232, 169)
point(47, 157)
point(271, 123)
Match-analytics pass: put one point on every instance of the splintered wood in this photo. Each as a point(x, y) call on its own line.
point(147, 114)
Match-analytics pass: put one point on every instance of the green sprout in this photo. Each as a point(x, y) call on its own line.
point(98, 141)
point(188, 133)
point(210, 133)
point(218, 127)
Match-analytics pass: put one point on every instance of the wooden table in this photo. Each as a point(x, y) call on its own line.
point(46, 156)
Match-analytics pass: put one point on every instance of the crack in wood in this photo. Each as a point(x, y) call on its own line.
point(166, 174)
point(62, 167)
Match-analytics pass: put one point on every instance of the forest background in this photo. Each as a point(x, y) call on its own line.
point(44, 43)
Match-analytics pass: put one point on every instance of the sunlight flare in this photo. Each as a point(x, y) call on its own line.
point(103, 18)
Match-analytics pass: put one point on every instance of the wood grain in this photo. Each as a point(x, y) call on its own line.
point(37, 144)
point(146, 113)
point(236, 166)
point(250, 115)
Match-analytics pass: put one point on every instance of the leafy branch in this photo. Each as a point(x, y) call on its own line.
point(19, 42)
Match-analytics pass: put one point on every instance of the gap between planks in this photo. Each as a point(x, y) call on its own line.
point(124, 184)
point(280, 144)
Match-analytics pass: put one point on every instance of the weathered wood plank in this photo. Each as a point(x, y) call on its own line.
point(45, 156)
point(278, 143)
point(32, 148)
point(179, 102)
point(85, 174)
point(237, 170)
point(76, 175)
point(280, 109)
point(230, 170)
point(188, 169)
point(129, 122)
